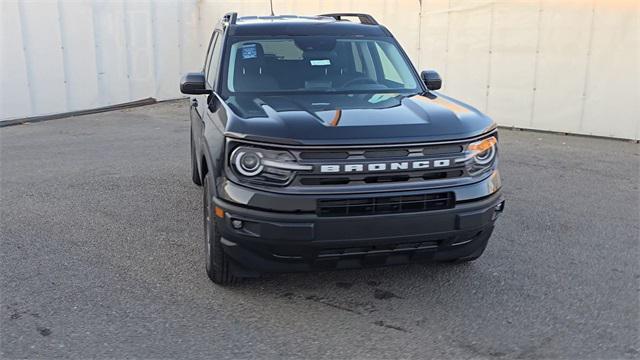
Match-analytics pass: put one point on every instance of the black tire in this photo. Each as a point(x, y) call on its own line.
point(217, 261)
point(195, 175)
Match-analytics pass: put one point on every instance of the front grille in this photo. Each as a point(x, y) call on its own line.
point(351, 169)
point(386, 205)
point(364, 156)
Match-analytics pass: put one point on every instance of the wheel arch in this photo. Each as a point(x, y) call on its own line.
point(208, 164)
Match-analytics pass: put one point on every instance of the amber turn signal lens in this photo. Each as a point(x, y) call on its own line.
point(219, 212)
point(483, 145)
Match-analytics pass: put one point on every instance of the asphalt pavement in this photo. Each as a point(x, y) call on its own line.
point(101, 256)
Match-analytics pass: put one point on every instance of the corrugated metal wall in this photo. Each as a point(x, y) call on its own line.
point(561, 65)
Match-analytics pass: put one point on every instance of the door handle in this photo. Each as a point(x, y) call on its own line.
point(194, 103)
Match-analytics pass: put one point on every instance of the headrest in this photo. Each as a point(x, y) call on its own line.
point(319, 55)
point(317, 43)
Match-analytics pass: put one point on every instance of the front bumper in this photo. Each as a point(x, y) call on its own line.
point(276, 241)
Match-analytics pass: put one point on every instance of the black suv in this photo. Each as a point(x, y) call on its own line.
point(320, 147)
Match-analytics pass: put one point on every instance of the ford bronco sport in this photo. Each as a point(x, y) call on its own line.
point(320, 147)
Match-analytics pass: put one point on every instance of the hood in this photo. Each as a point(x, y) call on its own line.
point(332, 119)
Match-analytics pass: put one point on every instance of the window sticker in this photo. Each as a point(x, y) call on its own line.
point(323, 62)
point(249, 51)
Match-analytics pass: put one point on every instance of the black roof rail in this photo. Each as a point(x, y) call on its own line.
point(364, 18)
point(230, 18)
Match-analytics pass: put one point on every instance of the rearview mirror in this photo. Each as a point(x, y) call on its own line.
point(431, 79)
point(193, 84)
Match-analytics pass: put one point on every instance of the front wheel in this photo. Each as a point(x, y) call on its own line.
point(217, 261)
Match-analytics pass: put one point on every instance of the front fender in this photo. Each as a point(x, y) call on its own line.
point(213, 149)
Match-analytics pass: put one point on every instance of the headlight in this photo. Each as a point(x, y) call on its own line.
point(484, 151)
point(249, 163)
point(480, 155)
point(264, 166)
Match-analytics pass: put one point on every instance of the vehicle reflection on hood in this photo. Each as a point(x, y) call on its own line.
point(349, 109)
point(323, 107)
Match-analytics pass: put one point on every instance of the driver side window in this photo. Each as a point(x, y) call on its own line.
point(213, 60)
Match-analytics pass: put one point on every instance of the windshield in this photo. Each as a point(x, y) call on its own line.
point(316, 64)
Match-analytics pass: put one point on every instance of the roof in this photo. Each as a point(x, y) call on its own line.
point(302, 25)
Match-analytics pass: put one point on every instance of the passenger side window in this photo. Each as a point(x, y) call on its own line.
point(364, 63)
point(212, 70)
point(389, 71)
point(356, 58)
point(207, 58)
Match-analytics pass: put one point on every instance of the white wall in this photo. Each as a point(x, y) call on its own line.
point(61, 56)
point(561, 65)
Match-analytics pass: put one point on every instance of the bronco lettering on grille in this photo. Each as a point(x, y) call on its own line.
point(386, 166)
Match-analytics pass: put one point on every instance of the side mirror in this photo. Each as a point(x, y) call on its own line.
point(431, 79)
point(194, 84)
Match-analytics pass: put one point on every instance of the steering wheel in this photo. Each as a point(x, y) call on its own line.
point(361, 79)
